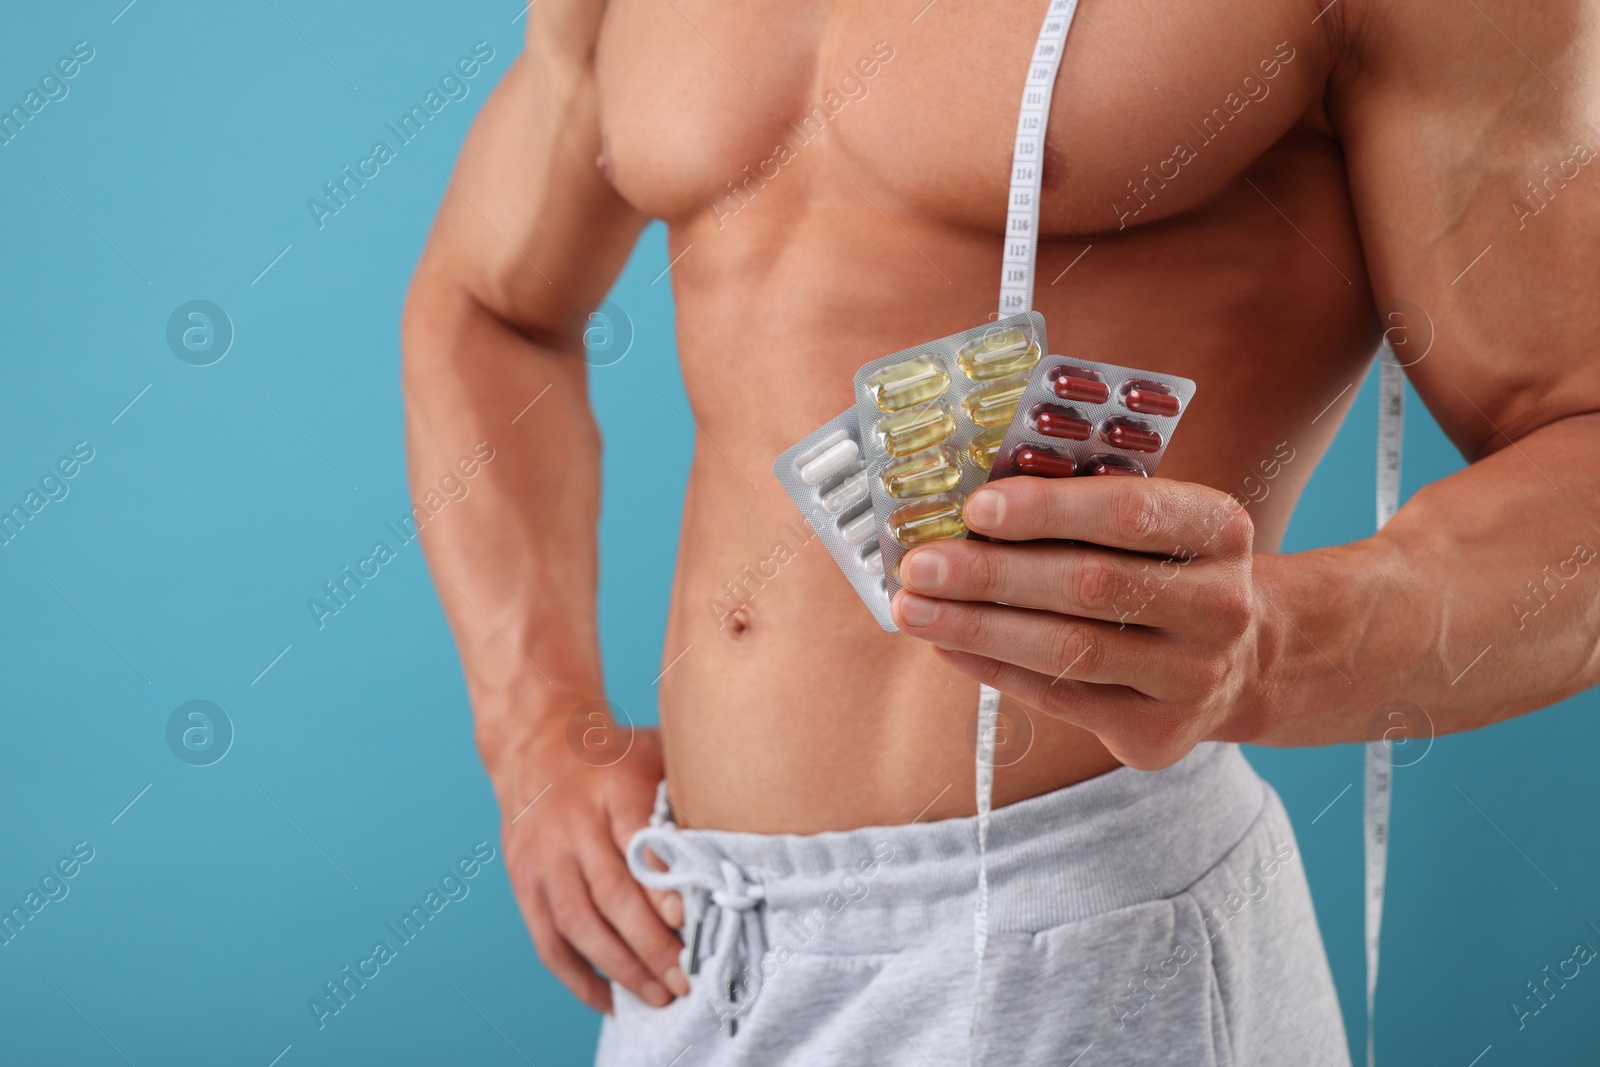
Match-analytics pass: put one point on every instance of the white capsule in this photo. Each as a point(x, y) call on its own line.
point(872, 562)
point(829, 458)
point(848, 492)
point(859, 528)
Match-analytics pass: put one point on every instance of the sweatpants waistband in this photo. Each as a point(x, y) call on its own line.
point(1122, 839)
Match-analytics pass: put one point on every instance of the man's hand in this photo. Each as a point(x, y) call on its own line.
point(1144, 632)
point(564, 850)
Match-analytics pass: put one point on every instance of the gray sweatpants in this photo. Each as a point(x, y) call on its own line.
point(1136, 918)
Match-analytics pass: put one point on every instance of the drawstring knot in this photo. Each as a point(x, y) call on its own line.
point(722, 910)
point(737, 892)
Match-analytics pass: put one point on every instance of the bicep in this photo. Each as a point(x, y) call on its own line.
point(1476, 181)
point(527, 227)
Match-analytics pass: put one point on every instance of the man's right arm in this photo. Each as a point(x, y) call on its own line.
point(528, 239)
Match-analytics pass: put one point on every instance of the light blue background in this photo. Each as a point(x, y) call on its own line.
point(182, 559)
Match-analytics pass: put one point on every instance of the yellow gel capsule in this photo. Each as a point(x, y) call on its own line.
point(927, 520)
point(983, 447)
point(912, 431)
point(995, 404)
point(922, 474)
point(905, 385)
point(998, 353)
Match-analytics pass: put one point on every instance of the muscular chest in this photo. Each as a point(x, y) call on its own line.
point(1157, 107)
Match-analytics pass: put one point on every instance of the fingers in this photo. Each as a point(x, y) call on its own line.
point(1144, 734)
point(624, 905)
point(629, 815)
point(580, 922)
point(1148, 515)
point(668, 905)
point(1090, 583)
point(563, 961)
point(1056, 646)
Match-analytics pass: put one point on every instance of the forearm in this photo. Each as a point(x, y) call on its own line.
point(1477, 602)
point(514, 560)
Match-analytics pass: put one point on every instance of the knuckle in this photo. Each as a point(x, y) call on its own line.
point(984, 571)
point(968, 626)
point(1042, 500)
point(563, 916)
point(1236, 532)
point(567, 915)
point(1056, 700)
point(988, 670)
point(666, 956)
point(628, 970)
point(1030, 691)
point(611, 891)
point(1077, 653)
point(1161, 743)
point(1209, 675)
point(1236, 606)
point(662, 947)
point(1137, 512)
point(1094, 583)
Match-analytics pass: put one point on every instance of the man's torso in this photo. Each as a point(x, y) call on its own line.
point(835, 181)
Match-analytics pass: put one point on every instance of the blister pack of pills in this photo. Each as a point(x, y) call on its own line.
point(1080, 417)
point(935, 421)
point(826, 476)
point(932, 419)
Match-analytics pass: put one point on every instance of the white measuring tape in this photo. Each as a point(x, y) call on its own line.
point(1379, 771)
point(1027, 160)
point(1016, 295)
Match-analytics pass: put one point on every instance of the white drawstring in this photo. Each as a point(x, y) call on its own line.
point(711, 885)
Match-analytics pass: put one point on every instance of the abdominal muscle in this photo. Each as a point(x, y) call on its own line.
point(793, 712)
point(789, 710)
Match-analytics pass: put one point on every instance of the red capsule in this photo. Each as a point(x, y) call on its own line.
point(1071, 383)
point(1044, 463)
point(1116, 468)
point(1059, 422)
point(1148, 398)
point(1109, 464)
point(1131, 436)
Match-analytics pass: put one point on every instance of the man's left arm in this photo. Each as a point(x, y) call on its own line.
point(1475, 170)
